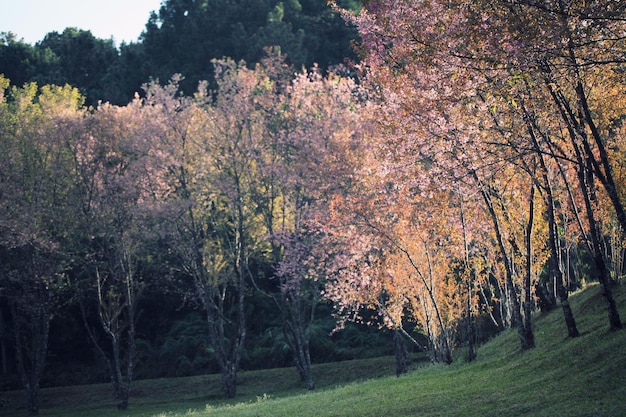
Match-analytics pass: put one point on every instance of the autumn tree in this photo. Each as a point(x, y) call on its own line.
point(566, 50)
point(469, 116)
point(428, 145)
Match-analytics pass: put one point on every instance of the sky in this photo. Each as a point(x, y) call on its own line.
point(31, 20)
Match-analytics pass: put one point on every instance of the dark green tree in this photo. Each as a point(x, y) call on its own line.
point(22, 63)
point(185, 35)
point(82, 60)
point(17, 59)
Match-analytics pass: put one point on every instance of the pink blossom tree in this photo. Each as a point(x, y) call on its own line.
point(317, 134)
point(117, 176)
point(466, 104)
point(212, 142)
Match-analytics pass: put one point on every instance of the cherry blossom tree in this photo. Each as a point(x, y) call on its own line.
point(316, 124)
point(212, 142)
point(470, 105)
point(117, 177)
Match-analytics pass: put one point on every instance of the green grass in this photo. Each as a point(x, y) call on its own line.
point(585, 376)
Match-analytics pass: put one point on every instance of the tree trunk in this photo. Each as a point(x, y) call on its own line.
point(469, 270)
point(31, 359)
point(439, 344)
point(490, 307)
point(553, 237)
point(131, 347)
point(471, 336)
point(528, 300)
point(121, 385)
point(32, 393)
point(297, 305)
point(514, 309)
point(586, 177)
point(227, 348)
point(229, 380)
point(112, 313)
point(403, 358)
point(299, 344)
point(587, 166)
point(603, 169)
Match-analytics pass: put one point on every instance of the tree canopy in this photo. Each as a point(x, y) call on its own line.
point(467, 172)
point(182, 37)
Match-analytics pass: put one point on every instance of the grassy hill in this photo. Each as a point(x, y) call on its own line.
point(585, 376)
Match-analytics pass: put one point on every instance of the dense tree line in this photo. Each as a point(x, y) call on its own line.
point(469, 171)
point(182, 37)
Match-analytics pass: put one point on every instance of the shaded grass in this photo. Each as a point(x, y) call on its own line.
point(585, 376)
point(150, 397)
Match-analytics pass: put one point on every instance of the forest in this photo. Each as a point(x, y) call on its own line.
point(306, 182)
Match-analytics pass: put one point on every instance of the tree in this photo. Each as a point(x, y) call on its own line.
point(551, 202)
point(17, 59)
point(565, 62)
point(466, 83)
point(117, 176)
point(184, 36)
point(315, 123)
point(214, 227)
point(35, 193)
point(81, 60)
point(430, 146)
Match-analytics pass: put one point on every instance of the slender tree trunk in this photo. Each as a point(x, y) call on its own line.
point(587, 166)
point(528, 300)
point(442, 351)
point(131, 346)
point(471, 334)
point(299, 344)
point(227, 348)
point(604, 278)
point(297, 316)
point(498, 323)
point(602, 168)
point(511, 292)
point(557, 264)
point(94, 340)
point(442, 339)
point(432, 347)
point(217, 340)
point(469, 271)
point(553, 235)
point(118, 381)
point(112, 314)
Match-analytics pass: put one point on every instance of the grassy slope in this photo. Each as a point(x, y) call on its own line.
point(574, 377)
